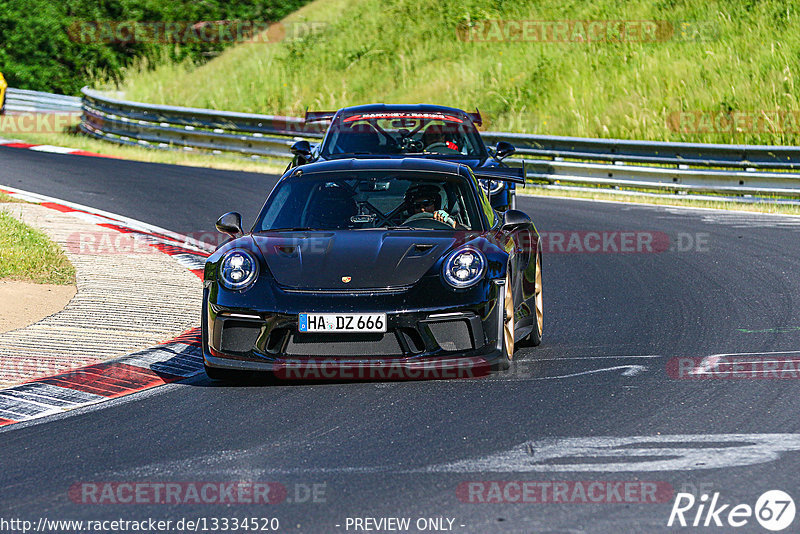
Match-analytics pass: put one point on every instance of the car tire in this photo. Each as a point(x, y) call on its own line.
point(535, 337)
point(508, 323)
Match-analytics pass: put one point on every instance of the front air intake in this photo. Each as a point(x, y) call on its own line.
point(360, 345)
point(239, 336)
point(451, 335)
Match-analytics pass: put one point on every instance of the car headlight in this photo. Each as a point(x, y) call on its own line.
point(464, 267)
point(238, 269)
point(496, 186)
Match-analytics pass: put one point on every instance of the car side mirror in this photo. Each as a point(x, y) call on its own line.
point(514, 220)
point(230, 224)
point(503, 150)
point(302, 150)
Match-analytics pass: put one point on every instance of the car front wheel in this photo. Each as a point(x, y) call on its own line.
point(508, 322)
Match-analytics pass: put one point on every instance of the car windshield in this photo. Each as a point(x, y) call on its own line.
point(371, 199)
point(406, 133)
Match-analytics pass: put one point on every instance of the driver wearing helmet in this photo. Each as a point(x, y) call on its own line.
point(436, 138)
point(425, 198)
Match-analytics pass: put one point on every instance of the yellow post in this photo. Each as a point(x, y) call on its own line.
point(3, 86)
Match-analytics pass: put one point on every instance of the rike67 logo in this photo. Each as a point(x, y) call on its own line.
point(774, 510)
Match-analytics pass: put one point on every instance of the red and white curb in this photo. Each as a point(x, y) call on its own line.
point(187, 251)
point(170, 361)
point(14, 143)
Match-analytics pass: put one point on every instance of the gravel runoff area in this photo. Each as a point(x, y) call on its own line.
point(130, 296)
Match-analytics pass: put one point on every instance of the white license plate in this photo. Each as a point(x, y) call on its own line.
point(342, 322)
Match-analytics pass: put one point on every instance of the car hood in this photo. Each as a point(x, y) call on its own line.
point(352, 259)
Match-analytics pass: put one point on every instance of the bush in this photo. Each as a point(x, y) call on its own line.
point(39, 52)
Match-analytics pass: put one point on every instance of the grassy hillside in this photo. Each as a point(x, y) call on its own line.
point(736, 56)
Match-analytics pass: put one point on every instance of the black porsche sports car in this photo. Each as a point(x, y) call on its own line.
point(401, 131)
point(365, 263)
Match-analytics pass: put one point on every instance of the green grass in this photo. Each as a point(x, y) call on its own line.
point(408, 51)
point(27, 254)
point(6, 198)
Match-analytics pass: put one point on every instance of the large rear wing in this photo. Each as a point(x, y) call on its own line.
point(505, 174)
point(318, 116)
point(476, 118)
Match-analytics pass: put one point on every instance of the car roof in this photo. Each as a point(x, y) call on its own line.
point(382, 164)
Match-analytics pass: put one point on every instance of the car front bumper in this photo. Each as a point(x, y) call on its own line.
point(456, 339)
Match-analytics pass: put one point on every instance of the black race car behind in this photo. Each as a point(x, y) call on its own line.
point(400, 131)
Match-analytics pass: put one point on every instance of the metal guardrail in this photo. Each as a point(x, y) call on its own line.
point(24, 101)
point(167, 126)
point(652, 152)
point(730, 182)
point(689, 167)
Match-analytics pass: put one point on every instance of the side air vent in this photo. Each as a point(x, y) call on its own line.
point(289, 251)
point(419, 250)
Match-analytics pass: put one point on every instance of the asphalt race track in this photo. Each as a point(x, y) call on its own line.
point(614, 321)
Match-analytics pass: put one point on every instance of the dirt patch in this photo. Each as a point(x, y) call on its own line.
point(24, 303)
